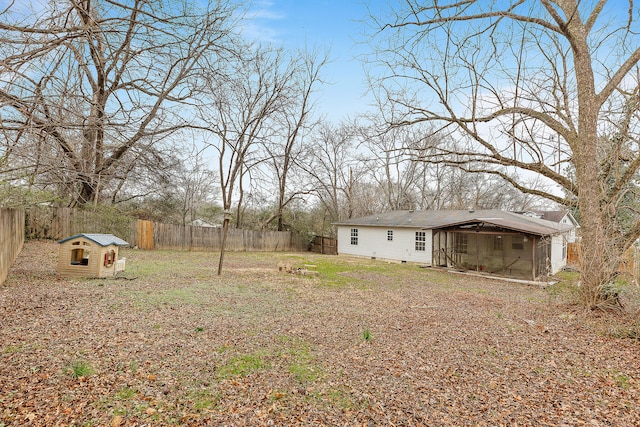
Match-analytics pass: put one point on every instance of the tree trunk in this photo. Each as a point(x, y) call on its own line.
point(599, 258)
point(280, 221)
point(225, 229)
point(599, 253)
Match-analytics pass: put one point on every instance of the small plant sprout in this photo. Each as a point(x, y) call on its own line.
point(366, 334)
point(80, 368)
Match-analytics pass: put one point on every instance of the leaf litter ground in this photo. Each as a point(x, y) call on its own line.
point(361, 342)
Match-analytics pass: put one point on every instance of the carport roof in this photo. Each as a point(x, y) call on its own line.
point(450, 218)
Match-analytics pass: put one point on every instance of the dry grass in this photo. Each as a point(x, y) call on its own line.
point(361, 342)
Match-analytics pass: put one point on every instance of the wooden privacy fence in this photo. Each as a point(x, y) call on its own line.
point(58, 223)
point(630, 262)
point(170, 236)
point(11, 238)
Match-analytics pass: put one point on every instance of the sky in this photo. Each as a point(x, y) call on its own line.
point(336, 25)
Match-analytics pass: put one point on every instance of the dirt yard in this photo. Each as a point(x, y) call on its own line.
point(361, 342)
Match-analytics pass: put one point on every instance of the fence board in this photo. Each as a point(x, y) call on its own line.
point(12, 229)
point(573, 253)
point(39, 223)
point(144, 238)
point(325, 245)
point(61, 223)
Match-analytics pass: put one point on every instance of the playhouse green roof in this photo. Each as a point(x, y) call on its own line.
point(100, 239)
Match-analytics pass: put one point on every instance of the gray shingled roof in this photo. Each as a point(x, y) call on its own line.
point(448, 218)
point(557, 216)
point(101, 239)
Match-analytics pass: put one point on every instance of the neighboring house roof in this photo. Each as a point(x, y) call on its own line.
point(202, 223)
point(101, 239)
point(557, 216)
point(448, 218)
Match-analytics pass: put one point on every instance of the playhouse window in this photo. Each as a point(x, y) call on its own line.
point(421, 239)
point(109, 258)
point(80, 256)
point(390, 235)
point(354, 236)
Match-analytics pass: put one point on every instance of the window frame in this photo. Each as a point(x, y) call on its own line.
point(462, 243)
point(354, 237)
point(389, 235)
point(421, 241)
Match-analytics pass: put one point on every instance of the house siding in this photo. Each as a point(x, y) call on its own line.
point(571, 235)
point(528, 246)
point(558, 256)
point(373, 243)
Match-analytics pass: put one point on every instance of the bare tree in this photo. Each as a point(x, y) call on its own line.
point(90, 86)
point(335, 170)
point(194, 184)
point(239, 110)
point(547, 88)
point(391, 164)
point(285, 151)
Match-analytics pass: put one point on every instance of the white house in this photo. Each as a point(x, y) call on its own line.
point(492, 241)
point(562, 217)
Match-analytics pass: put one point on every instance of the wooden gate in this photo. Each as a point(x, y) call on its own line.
point(145, 234)
point(325, 245)
point(573, 253)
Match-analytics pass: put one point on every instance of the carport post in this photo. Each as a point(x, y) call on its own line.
point(533, 257)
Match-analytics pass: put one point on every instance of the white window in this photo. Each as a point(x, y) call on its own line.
point(421, 239)
point(390, 235)
point(354, 236)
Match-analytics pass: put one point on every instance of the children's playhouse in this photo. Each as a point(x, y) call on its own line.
point(90, 255)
